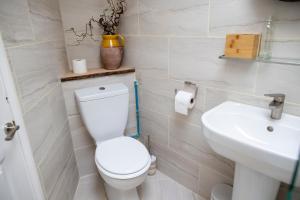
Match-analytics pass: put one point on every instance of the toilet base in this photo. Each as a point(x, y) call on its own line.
point(116, 194)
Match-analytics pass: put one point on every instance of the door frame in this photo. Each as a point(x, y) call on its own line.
point(11, 93)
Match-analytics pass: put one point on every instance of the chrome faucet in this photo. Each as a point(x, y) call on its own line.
point(276, 105)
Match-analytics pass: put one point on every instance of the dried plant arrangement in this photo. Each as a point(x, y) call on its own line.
point(109, 20)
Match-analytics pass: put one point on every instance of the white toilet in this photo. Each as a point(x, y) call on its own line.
point(122, 161)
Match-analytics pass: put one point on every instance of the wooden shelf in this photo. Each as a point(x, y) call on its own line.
point(93, 73)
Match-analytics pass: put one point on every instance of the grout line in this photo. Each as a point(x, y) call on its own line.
point(173, 36)
point(28, 44)
point(84, 147)
point(168, 132)
point(88, 175)
point(30, 20)
point(209, 36)
point(204, 99)
point(208, 19)
point(74, 195)
point(61, 173)
point(255, 77)
point(169, 67)
point(41, 98)
point(138, 16)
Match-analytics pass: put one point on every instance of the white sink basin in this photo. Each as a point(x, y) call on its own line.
point(240, 133)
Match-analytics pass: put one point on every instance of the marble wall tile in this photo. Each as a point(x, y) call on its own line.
point(155, 125)
point(73, 16)
point(35, 57)
point(58, 109)
point(156, 102)
point(15, 24)
point(177, 174)
point(186, 165)
point(37, 123)
point(35, 85)
point(215, 97)
point(248, 16)
point(208, 178)
point(197, 60)
point(155, 90)
point(88, 50)
point(36, 75)
point(275, 78)
point(211, 160)
point(80, 135)
point(54, 162)
point(70, 101)
point(176, 18)
point(85, 158)
point(90, 187)
point(50, 140)
point(286, 19)
point(155, 81)
point(293, 109)
point(188, 133)
point(146, 52)
point(66, 186)
point(238, 16)
point(131, 121)
point(130, 19)
point(76, 13)
point(285, 49)
point(46, 19)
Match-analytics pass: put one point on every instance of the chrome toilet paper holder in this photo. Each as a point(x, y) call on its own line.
point(190, 87)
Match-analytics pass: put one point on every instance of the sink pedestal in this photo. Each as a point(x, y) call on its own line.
point(250, 185)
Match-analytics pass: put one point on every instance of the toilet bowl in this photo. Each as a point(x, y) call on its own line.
point(123, 162)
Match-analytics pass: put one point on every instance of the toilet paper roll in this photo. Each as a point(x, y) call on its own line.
point(79, 66)
point(183, 102)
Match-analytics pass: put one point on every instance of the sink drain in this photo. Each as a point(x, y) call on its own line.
point(270, 128)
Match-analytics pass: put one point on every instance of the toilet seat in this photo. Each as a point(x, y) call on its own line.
point(122, 158)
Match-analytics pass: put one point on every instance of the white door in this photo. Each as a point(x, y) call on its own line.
point(16, 179)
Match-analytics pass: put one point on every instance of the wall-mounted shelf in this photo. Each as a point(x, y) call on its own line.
point(93, 73)
point(284, 61)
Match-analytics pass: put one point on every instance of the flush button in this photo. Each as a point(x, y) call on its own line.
point(101, 88)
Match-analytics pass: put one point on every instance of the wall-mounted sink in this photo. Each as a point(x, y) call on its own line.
point(265, 150)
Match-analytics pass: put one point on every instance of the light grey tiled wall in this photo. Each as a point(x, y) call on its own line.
point(33, 34)
point(83, 143)
point(172, 41)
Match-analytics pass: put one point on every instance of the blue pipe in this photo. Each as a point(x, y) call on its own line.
point(137, 111)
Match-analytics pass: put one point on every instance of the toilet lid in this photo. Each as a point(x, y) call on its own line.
point(122, 155)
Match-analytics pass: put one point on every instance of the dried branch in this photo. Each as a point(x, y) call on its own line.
point(109, 20)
